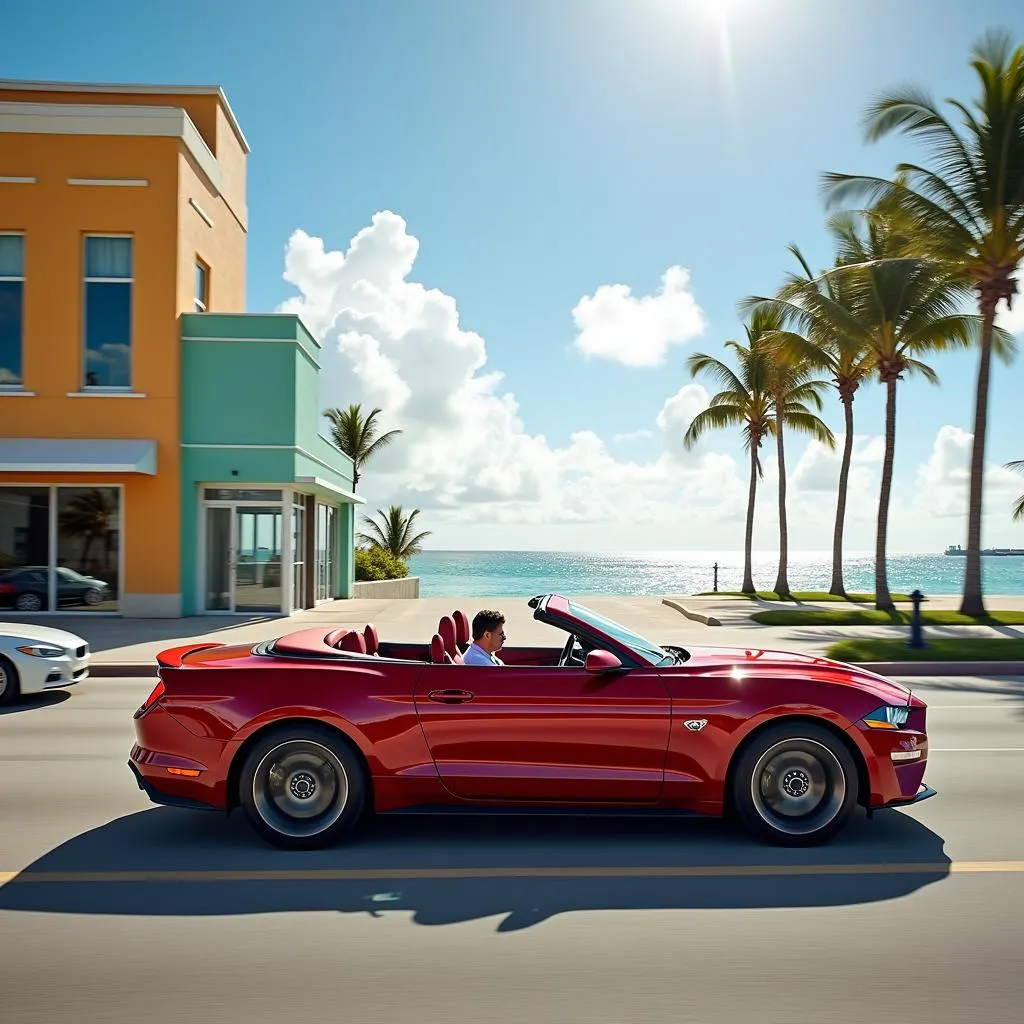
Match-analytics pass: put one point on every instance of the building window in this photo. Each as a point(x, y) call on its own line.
point(12, 298)
point(202, 286)
point(108, 312)
point(88, 548)
point(60, 548)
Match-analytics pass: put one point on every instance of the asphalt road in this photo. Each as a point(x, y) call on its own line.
point(914, 916)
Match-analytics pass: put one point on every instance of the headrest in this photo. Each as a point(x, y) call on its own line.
point(446, 629)
point(461, 620)
point(334, 638)
point(354, 642)
point(436, 650)
point(371, 638)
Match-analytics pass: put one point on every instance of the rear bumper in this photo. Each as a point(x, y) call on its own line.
point(164, 798)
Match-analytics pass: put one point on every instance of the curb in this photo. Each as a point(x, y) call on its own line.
point(708, 620)
point(122, 671)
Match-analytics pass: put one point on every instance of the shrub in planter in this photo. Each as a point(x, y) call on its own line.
point(374, 563)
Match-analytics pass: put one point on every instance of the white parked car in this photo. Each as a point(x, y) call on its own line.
point(37, 658)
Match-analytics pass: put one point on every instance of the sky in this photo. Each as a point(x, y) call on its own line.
point(510, 223)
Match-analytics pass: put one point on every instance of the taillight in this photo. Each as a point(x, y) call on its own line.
point(7, 588)
point(158, 692)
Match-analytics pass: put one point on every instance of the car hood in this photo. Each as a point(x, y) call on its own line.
point(757, 661)
point(39, 634)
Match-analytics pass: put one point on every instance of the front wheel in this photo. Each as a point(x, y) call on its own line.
point(302, 787)
point(795, 785)
point(9, 687)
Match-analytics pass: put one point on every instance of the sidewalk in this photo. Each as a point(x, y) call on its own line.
point(128, 647)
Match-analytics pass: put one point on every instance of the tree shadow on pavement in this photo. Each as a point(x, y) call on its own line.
point(627, 864)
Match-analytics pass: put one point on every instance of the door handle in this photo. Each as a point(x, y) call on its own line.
point(450, 696)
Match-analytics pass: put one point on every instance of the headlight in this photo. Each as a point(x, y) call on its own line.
point(888, 716)
point(42, 651)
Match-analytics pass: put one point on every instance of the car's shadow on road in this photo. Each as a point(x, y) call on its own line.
point(635, 864)
point(35, 701)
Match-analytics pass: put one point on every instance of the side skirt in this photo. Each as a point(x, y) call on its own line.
point(531, 811)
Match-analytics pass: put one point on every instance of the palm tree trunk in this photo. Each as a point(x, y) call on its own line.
point(883, 600)
point(748, 542)
point(782, 579)
point(973, 602)
point(838, 587)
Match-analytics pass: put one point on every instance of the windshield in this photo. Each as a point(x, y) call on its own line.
point(648, 651)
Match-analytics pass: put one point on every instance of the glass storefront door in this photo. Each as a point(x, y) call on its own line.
point(258, 559)
point(242, 561)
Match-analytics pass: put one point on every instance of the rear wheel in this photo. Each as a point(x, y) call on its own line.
point(9, 686)
point(795, 785)
point(302, 787)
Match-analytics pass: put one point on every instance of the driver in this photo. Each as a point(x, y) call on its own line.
point(488, 639)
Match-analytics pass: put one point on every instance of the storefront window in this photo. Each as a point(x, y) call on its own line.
point(25, 548)
point(88, 548)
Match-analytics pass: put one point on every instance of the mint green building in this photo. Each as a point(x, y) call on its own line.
point(267, 507)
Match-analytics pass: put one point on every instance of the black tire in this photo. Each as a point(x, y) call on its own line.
point(795, 785)
point(10, 686)
point(310, 759)
point(29, 602)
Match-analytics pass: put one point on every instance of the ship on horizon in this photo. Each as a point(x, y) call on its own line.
point(955, 549)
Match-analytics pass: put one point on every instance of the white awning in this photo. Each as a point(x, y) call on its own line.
point(318, 483)
point(76, 455)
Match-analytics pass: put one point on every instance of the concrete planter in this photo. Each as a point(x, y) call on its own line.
point(407, 587)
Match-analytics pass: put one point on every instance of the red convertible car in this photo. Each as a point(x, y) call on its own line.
point(310, 732)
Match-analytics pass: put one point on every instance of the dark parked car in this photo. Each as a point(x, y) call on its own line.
point(25, 588)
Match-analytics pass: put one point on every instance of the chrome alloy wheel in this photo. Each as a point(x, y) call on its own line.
point(300, 788)
point(798, 786)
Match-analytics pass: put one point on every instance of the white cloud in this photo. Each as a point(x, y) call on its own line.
point(617, 325)
point(629, 435)
point(817, 469)
point(942, 481)
point(465, 454)
point(484, 480)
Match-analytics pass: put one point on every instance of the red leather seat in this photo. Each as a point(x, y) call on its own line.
point(353, 642)
point(371, 638)
point(446, 630)
point(438, 656)
point(461, 620)
point(334, 638)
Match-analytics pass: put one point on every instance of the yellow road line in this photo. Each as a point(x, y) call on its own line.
point(368, 874)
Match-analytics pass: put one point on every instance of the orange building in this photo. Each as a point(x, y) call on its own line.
point(121, 207)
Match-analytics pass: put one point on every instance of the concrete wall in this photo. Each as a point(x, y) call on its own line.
point(408, 587)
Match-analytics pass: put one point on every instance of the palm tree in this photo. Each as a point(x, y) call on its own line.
point(896, 308)
point(967, 211)
point(743, 402)
point(825, 350)
point(356, 436)
point(1018, 505)
point(90, 516)
point(792, 390)
point(394, 532)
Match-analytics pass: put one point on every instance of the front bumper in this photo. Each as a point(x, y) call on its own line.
point(922, 794)
point(39, 674)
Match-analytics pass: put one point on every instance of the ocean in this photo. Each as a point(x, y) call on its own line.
point(525, 573)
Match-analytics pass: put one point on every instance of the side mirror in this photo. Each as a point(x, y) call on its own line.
point(602, 661)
